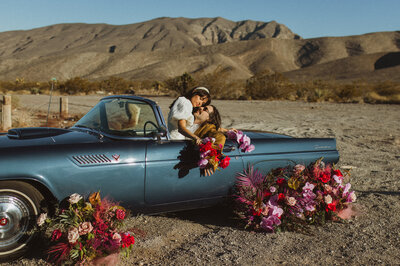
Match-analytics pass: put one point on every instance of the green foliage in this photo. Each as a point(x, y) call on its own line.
point(181, 84)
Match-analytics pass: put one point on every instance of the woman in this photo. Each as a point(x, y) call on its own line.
point(180, 117)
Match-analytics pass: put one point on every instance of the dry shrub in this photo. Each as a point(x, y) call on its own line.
point(268, 85)
point(22, 118)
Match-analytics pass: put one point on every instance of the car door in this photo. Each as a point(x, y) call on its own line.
point(172, 177)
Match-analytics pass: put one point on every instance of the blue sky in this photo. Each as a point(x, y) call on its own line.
point(308, 18)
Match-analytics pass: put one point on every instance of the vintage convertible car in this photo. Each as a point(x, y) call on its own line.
point(122, 148)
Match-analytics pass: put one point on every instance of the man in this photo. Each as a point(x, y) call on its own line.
point(207, 123)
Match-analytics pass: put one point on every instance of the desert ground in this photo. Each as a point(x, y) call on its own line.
point(368, 140)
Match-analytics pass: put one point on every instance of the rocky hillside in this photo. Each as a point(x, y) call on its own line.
point(167, 47)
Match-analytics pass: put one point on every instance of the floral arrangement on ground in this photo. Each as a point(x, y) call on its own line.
point(293, 197)
point(86, 231)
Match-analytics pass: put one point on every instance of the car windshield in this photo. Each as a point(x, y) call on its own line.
point(121, 117)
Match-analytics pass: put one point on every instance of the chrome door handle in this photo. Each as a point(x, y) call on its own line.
point(229, 148)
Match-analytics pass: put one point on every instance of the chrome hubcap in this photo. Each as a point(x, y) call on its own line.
point(14, 220)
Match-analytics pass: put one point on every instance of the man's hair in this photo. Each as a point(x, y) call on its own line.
point(215, 118)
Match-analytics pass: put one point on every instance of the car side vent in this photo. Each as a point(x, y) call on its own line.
point(91, 159)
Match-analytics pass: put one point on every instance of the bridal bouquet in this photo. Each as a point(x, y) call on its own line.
point(292, 197)
point(211, 155)
point(242, 140)
point(87, 230)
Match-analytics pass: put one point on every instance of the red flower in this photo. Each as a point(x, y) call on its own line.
point(127, 240)
point(213, 152)
point(337, 172)
point(281, 181)
point(281, 196)
point(224, 163)
point(331, 206)
point(56, 235)
point(267, 194)
point(205, 147)
point(257, 213)
point(102, 226)
point(324, 177)
point(120, 214)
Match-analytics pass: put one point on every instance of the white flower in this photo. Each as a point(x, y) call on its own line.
point(272, 189)
point(73, 235)
point(328, 199)
point(85, 228)
point(352, 197)
point(41, 219)
point(291, 201)
point(117, 237)
point(74, 198)
point(338, 179)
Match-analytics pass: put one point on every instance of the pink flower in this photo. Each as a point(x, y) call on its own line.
point(269, 222)
point(85, 228)
point(120, 214)
point(272, 189)
point(239, 136)
point(346, 189)
point(203, 163)
point(231, 134)
point(308, 187)
point(250, 148)
point(245, 140)
point(73, 235)
point(338, 179)
point(351, 197)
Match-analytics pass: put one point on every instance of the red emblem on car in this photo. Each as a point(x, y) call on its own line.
point(3, 221)
point(116, 157)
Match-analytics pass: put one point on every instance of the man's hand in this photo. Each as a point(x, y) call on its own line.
point(198, 140)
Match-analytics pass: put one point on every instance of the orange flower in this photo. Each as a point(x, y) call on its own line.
point(95, 198)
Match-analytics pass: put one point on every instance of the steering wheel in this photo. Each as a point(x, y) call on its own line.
point(145, 125)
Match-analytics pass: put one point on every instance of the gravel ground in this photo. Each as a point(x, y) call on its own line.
point(368, 139)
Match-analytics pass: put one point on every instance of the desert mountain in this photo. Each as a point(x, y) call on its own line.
point(167, 47)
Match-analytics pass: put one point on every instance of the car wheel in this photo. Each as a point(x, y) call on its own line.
point(19, 209)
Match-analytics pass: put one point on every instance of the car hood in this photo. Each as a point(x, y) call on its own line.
point(26, 137)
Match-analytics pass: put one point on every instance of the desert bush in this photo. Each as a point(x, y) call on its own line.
point(181, 84)
point(115, 85)
point(387, 88)
point(267, 85)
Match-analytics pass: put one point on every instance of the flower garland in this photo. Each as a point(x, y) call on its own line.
point(242, 140)
point(87, 230)
point(290, 197)
point(211, 155)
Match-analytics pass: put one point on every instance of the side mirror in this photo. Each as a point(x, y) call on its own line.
point(161, 132)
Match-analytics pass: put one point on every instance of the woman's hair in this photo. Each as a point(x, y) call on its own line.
point(215, 118)
point(201, 91)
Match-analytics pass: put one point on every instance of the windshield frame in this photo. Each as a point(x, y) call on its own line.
point(103, 127)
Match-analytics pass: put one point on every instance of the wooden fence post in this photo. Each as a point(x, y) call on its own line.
point(63, 107)
point(6, 113)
